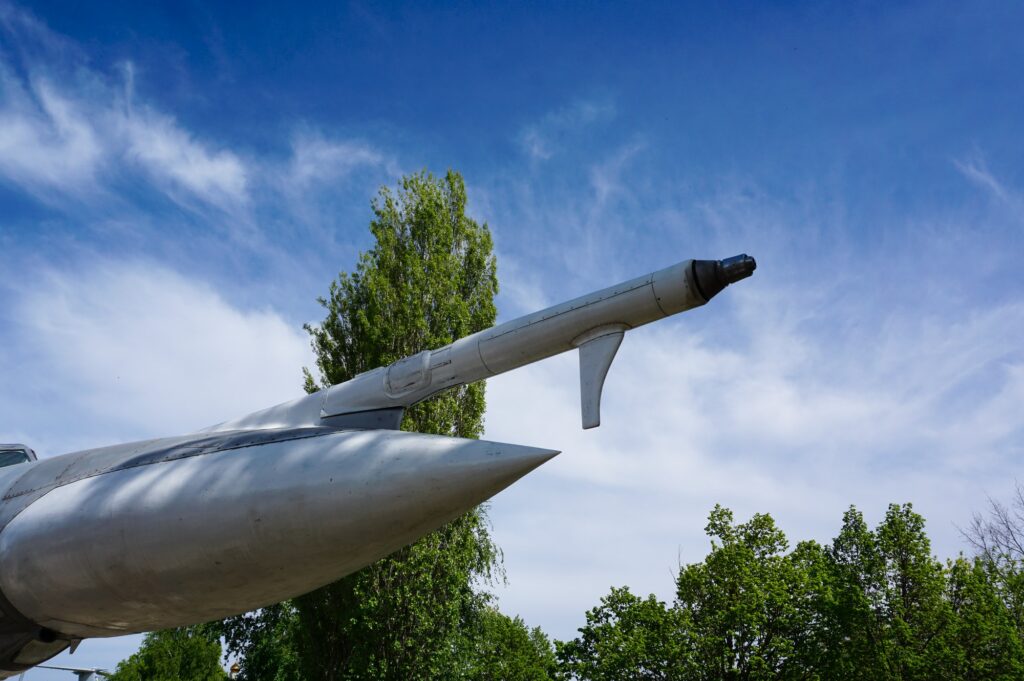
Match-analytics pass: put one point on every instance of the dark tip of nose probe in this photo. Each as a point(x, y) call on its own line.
point(711, 276)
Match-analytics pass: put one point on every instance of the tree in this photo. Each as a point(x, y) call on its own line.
point(981, 641)
point(875, 604)
point(265, 642)
point(997, 537)
point(745, 612)
point(627, 637)
point(501, 647)
point(174, 655)
point(890, 609)
point(745, 604)
point(429, 279)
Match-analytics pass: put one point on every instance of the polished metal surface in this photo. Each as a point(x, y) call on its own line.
point(198, 535)
point(515, 343)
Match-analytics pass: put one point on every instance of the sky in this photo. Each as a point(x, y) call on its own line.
point(180, 181)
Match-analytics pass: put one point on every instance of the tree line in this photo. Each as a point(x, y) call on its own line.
point(872, 604)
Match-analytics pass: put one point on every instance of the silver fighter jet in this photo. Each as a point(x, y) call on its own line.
point(183, 530)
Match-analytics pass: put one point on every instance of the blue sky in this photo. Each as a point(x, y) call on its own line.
point(179, 182)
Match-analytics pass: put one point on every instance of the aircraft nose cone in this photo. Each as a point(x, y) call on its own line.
point(203, 537)
point(486, 468)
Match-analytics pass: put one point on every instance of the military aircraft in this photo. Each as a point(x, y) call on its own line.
point(80, 673)
point(182, 530)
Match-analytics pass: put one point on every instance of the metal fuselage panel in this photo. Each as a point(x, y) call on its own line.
point(23, 484)
point(173, 532)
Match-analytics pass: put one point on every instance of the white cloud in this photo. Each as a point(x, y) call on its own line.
point(133, 350)
point(68, 131)
point(830, 378)
point(799, 425)
point(74, 136)
point(546, 137)
point(318, 160)
point(176, 161)
point(975, 169)
point(53, 139)
point(45, 141)
point(606, 176)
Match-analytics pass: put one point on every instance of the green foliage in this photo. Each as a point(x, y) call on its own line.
point(875, 604)
point(627, 637)
point(265, 642)
point(998, 538)
point(402, 617)
point(982, 641)
point(502, 647)
point(429, 279)
point(890, 608)
point(174, 655)
point(742, 604)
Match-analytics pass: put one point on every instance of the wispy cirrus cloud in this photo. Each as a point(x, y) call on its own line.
point(45, 141)
point(72, 135)
point(829, 378)
point(116, 172)
point(546, 137)
point(318, 160)
point(793, 421)
point(975, 168)
point(67, 131)
point(607, 176)
point(179, 164)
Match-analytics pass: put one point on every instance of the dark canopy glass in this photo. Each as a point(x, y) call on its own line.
point(10, 457)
